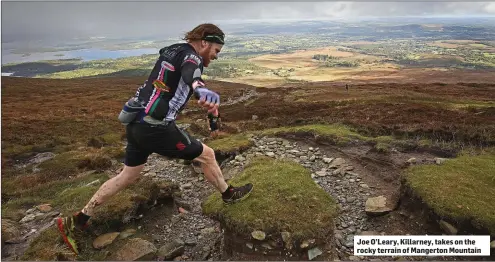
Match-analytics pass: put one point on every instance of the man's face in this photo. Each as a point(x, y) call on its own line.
point(209, 52)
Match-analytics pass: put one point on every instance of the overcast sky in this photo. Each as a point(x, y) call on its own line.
point(38, 19)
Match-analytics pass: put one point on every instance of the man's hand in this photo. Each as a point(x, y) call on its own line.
point(207, 98)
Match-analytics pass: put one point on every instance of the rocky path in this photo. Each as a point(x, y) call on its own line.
point(334, 174)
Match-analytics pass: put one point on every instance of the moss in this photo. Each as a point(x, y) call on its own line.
point(233, 143)
point(58, 193)
point(114, 152)
point(284, 197)
point(62, 165)
point(112, 138)
point(425, 143)
point(461, 189)
point(382, 147)
point(95, 161)
point(46, 247)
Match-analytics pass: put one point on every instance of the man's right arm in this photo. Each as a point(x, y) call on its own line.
point(191, 71)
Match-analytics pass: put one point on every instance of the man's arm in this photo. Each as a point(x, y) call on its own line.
point(191, 71)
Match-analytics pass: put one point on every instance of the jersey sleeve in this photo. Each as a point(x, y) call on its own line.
point(191, 67)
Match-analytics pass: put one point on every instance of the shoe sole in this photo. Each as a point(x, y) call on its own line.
point(60, 225)
point(240, 199)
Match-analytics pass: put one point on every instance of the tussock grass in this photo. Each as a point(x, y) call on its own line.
point(462, 189)
point(230, 144)
point(340, 134)
point(284, 198)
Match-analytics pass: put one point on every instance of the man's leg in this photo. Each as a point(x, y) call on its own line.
point(176, 143)
point(214, 175)
point(134, 163)
point(127, 176)
point(211, 169)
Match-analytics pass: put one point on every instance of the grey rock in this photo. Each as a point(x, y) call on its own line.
point(127, 233)
point(136, 249)
point(321, 173)
point(313, 253)
point(187, 186)
point(337, 162)
point(42, 157)
point(258, 235)
point(171, 250)
point(439, 160)
point(28, 218)
point(448, 228)
point(270, 154)
point(190, 242)
point(411, 160)
point(239, 158)
point(208, 230)
point(105, 240)
point(327, 160)
point(378, 205)
point(286, 237)
point(349, 241)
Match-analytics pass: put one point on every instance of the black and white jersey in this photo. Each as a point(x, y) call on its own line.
point(169, 86)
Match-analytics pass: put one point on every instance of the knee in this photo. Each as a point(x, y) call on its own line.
point(208, 154)
point(129, 175)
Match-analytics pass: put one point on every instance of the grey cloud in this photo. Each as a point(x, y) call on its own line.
point(55, 19)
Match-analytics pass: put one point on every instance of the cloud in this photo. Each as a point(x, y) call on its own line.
point(63, 19)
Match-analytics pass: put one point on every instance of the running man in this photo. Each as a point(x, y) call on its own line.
point(175, 77)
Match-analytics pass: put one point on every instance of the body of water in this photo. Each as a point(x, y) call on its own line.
point(84, 54)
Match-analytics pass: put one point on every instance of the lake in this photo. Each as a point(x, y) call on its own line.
point(84, 54)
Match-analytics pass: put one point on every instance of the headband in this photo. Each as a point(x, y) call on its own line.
point(219, 39)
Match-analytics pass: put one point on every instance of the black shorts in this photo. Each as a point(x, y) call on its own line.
point(169, 141)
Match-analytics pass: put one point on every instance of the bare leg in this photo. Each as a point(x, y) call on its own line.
point(112, 186)
point(211, 169)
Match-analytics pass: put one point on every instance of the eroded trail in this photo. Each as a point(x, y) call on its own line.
point(351, 176)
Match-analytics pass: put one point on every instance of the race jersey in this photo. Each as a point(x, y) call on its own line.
point(169, 86)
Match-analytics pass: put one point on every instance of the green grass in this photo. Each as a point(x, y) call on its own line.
point(462, 189)
point(342, 135)
point(233, 143)
point(53, 193)
point(72, 195)
point(284, 198)
point(338, 133)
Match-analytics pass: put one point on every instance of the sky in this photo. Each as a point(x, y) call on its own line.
point(28, 20)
